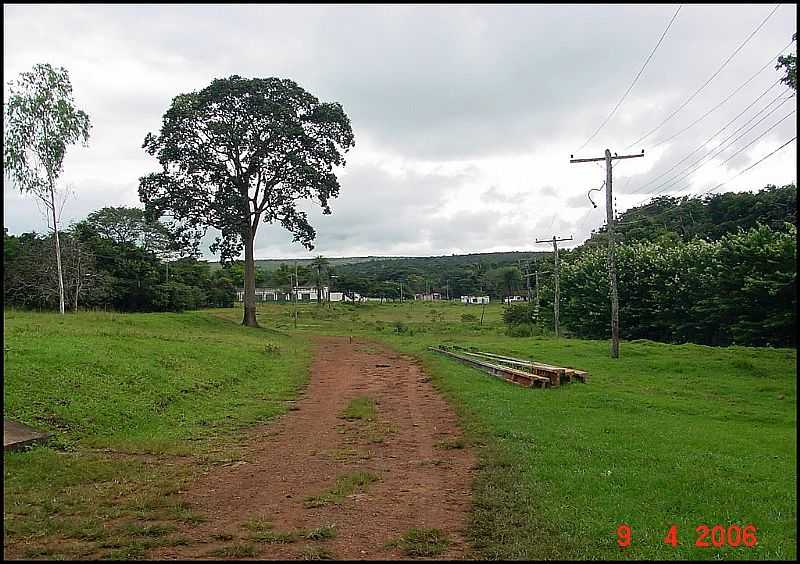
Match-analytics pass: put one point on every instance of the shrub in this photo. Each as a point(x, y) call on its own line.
point(174, 296)
point(521, 330)
point(518, 314)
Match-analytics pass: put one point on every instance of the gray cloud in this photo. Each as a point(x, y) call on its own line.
point(425, 87)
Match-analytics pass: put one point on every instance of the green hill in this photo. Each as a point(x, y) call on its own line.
point(274, 264)
point(442, 260)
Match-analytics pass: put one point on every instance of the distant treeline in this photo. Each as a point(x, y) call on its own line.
point(114, 259)
point(719, 269)
point(668, 219)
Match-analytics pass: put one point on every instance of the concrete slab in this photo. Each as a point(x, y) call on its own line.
point(17, 435)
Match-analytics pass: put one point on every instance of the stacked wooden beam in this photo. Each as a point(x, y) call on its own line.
point(520, 371)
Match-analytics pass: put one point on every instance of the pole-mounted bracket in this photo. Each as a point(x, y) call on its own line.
point(589, 193)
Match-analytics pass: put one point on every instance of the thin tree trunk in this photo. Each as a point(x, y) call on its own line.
point(319, 286)
point(58, 250)
point(249, 319)
point(78, 278)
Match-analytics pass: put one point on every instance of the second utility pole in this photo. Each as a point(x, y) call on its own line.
point(612, 272)
point(556, 274)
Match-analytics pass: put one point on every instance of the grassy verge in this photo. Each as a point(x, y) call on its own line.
point(683, 435)
point(117, 389)
point(666, 435)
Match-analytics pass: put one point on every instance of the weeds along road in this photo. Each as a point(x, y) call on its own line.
point(369, 452)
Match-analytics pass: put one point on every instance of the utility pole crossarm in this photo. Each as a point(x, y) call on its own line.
point(599, 159)
point(627, 156)
point(587, 160)
point(551, 240)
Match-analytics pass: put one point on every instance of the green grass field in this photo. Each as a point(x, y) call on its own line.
point(115, 388)
point(667, 434)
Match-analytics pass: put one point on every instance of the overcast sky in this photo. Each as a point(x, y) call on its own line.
point(464, 116)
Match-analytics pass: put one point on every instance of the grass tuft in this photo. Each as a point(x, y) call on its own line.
point(346, 484)
point(325, 532)
point(452, 443)
point(258, 524)
point(316, 553)
point(422, 542)
point(361, 408)
point(238, 550)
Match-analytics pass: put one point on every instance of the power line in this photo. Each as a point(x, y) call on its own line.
point(707, 82)
point(731, 95)
point(759, 161)
point(762, 159)
point(714, 152)
point(739, 151)
point(723, 128)
point(636, 78)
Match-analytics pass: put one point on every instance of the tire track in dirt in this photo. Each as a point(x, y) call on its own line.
point(421, 484)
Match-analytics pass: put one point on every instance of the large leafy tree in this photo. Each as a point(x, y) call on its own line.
point(40, 121)
point(242, 151)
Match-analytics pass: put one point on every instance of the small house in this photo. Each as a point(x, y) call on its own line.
point(467, 300)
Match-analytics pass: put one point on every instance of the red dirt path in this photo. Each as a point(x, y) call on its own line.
point(421, 484)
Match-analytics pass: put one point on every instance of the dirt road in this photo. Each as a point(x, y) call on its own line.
point(411, 445)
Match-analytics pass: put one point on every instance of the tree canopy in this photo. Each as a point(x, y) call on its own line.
point(242, 151)
point(40, 121)
point(789, 64)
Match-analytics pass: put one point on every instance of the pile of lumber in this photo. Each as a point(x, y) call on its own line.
point(520, 371)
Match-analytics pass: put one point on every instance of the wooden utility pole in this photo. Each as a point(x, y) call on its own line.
point(556, 276)
point(610, 262)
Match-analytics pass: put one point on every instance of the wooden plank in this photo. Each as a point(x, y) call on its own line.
point(510, 374)
point(16, 435)
point(565, 373)
point(581, 375)
point(554, 373)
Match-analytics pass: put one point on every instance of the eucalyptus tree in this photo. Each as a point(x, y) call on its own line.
point(40, 121)
point(242, 151)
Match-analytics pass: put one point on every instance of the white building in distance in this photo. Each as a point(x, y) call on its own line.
point(474, 300)
point(302, 294)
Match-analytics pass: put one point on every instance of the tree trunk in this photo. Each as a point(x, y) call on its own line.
point(249, 319)
point(58, 251)
point(77, 278)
